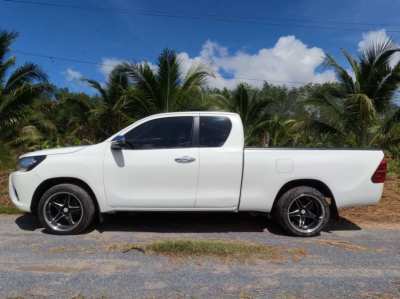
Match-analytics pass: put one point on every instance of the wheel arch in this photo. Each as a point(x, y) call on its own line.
point(47, 184)
point(317, 184)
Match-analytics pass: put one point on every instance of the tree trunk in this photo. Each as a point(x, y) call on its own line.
point(265, 138)
point(364, 136)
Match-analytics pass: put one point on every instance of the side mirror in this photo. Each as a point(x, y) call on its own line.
point(118, 143)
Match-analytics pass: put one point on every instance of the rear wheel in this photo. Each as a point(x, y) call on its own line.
point(66, 209)
point(303, 211)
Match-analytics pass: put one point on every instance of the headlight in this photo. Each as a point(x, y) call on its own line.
point(28, 163)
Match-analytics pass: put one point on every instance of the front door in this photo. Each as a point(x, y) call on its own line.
point(158, 169)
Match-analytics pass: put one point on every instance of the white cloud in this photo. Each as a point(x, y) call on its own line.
point(371, 36)
point(377, 36)
point(108, 64)
point(289, 62)
point(72, 75)
point(152, 66)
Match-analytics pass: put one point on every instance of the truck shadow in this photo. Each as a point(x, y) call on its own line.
point(188, 223)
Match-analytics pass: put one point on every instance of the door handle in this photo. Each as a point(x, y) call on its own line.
point(185, 159)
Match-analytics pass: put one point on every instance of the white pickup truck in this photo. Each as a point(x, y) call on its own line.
point(193, 161)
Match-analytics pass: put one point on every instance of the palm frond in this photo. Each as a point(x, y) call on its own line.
point(28, 73)
point(342, 74)
point(168, 78)
point(195, 77)
point(11, 108)
point(391, 121)
point(5, 66)
point(6, 39)
point(96, 85)
point(144, 80)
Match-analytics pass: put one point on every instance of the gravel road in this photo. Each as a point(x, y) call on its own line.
point(345, 261)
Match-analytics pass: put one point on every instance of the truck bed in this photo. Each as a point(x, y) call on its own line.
point(346, 172)
point(314, 148)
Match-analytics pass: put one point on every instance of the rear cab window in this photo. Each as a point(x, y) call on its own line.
point(214, 130)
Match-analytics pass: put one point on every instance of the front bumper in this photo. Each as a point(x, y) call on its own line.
point(21, 187)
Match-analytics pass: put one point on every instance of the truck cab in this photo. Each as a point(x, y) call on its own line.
point(176, 161)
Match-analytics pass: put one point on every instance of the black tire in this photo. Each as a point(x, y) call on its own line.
point(76, 215)
point(312, 207)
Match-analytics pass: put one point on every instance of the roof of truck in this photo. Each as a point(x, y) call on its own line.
point(195, 112)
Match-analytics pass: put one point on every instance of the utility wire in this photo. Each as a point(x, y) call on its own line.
point(209, 16)
point(54, 58)
point(122, 10)
point(313, 24)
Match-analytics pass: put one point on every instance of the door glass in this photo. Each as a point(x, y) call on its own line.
point(168, 132)
point(214, 130)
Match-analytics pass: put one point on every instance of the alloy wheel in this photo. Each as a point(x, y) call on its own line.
point(63, 211)
point(306, 213)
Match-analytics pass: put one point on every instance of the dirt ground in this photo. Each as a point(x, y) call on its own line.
point(345, 261)
point(355, 257)
point(386, 213)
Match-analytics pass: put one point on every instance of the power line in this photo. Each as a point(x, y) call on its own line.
point(55, 58)
point(75, 60)
point(108, 9)
point(307, 24)
point(52, 57)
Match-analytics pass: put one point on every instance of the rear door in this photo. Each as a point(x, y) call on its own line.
point(221, 158)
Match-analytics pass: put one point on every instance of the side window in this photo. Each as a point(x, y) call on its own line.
point(168, 132)
point(214, 130)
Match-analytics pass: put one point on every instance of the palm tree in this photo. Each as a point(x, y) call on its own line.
point(71, 115)
point(251, 107)
point(387, 133)
point(280, 130)
point(20, 88)
point(60, 120)
point(165, 88)
point(363, 99)
point(111, 110)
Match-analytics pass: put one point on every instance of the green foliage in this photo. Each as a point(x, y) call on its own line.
point(110, 112)
point(359, 108)
point(19, 88)
point(252, 108)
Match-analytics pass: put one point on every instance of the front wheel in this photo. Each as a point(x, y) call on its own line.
point(66, 209)
point(303, 211)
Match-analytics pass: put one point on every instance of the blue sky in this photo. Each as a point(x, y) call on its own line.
point(281, 41)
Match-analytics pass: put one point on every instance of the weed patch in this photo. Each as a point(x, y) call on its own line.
point(9, 210)
point(226, 250)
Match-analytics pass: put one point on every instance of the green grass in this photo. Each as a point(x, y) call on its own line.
point(228, 250)
point(9, 210)
point(209, 248)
